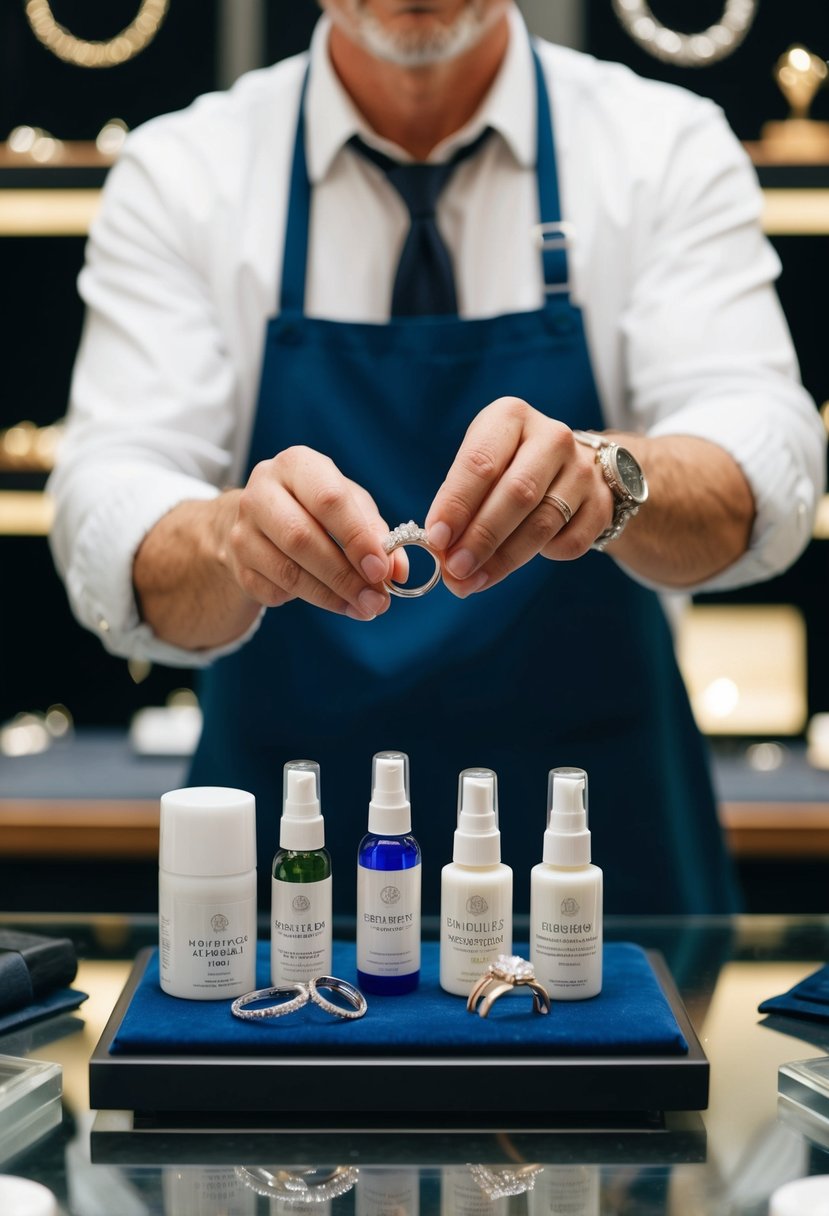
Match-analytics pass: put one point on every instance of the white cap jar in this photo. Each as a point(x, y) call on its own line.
point(207, 893)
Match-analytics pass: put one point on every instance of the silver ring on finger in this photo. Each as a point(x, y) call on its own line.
point(399, 538)
point(560, 504)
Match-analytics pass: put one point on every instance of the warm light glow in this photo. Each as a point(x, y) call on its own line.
point(720, 698)
point(800, 59)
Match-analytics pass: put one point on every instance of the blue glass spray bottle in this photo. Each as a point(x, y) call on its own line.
point(388, 884)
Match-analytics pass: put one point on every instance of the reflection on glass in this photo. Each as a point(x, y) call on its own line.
point(388, 1192)
point(299, 1189)
point(573, 1189)
point(202, 1191)
point(460, 1195)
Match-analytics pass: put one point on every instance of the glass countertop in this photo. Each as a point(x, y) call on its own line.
point(726, 1160)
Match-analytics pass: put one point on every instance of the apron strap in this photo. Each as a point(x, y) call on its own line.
point(295, 254)
point(553, 234)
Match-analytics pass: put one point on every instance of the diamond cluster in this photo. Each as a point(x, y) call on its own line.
point(404, 534)
point(512, 967)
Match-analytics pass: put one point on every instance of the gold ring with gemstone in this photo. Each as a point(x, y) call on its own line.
point(505, 974)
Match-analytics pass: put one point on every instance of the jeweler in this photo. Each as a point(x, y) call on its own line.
point(436, 270)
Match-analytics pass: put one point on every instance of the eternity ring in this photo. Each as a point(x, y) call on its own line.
point(564, 507)
point(507, 973)
point(411, 534)
point(353, 995)
point(271, 1011)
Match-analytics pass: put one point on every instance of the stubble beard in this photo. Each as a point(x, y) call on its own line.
point(417, 48)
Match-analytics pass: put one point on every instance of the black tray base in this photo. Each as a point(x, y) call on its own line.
point(307, 1089)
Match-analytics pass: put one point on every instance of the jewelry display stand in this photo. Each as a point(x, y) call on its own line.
point(309, 1081)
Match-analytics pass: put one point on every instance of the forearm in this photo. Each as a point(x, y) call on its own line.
point(699, 514)
point(183, 584)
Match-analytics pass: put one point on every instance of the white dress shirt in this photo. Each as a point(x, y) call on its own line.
point(184, 262)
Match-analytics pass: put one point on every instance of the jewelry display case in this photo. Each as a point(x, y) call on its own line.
point(728, 1158)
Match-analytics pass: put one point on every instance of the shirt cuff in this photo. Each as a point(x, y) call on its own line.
point(785, 489)
point(99, 579)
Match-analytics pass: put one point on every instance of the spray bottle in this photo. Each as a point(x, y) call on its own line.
point(566, 896)
point(475, 889)
point(301, 882)
point(388, 884)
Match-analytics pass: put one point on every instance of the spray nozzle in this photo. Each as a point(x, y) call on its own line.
point(477, 839)
point(301, 826)
point(390, 812)
point(567, 840)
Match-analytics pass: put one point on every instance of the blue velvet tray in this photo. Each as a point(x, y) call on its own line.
point(631, 1049)
point(631, 1016)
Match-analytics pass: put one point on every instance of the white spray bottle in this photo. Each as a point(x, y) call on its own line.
point(475, 888)
point(566, 896)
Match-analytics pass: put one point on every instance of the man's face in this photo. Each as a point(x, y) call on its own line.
point(415, 33)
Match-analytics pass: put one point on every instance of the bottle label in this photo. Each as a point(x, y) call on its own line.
point(300, 930)
point(388, 921)
point(476, 926)
point(567, 939)
point(207, 949)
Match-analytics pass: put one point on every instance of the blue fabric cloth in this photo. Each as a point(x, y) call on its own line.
point(45, 1007)
point(562, 663)
point(630, 1017)
point(808, 999)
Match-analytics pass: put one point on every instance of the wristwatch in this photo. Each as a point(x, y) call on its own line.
point(624, 475)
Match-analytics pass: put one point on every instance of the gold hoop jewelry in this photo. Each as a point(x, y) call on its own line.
point(687, 50)
point(84, 54)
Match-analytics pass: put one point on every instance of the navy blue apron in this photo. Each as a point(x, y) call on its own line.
point(563, 663)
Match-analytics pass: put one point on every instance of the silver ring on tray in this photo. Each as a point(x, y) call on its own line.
point(299, 998)
point(353, 995)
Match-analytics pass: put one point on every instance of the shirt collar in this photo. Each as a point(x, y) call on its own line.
point(332, 118)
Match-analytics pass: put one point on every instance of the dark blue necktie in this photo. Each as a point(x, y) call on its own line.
point(425, 282)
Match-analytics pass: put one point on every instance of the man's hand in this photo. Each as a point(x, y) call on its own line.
point(493, 512)
point(304, 531)
point(298, 530)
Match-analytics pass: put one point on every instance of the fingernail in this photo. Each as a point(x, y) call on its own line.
point(476, 583)
point(461, 564)
point(371, 601)
point(374, 568)
point(355, 615)
point(440, 535)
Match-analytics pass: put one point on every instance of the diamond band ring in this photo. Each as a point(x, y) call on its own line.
point(351, 994)
point(507, 973)
point(302, 994)
point(301, 997)
point(564, 507)
point(399, 538)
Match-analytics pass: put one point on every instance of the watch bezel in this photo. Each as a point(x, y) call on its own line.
point(625, 493)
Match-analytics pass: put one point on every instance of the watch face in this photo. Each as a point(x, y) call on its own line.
point(630, 475)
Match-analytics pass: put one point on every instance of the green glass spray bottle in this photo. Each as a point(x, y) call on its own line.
point(301, 881)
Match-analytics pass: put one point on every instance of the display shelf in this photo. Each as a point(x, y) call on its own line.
point(93, 796)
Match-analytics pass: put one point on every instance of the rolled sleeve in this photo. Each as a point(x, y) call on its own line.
point(97, 565)
point(154, 417)
point(708, 349)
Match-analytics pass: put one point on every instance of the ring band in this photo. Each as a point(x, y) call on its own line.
point(564, 507)
point(353, 995)
point(270, 1011)
point(507, 973)
point(411, 534)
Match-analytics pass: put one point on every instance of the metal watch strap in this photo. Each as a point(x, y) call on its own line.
point(624, 508)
